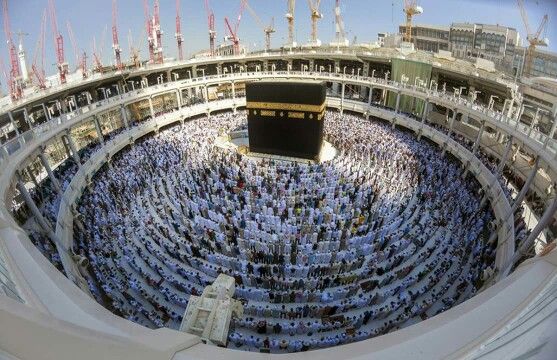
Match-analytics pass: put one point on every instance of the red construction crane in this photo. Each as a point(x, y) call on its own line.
point(39, 50)
point(178, 35)
point(233, 32)
point(14, 81)
point(157, 33)
point(59, 44)
point(115, 43)
point(148, 29)
point(211, 24)
point(74, 44)
point(96, 58)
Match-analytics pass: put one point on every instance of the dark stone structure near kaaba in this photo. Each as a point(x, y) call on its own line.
point(286, 117)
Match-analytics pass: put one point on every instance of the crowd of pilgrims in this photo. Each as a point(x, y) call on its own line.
point(386, 234)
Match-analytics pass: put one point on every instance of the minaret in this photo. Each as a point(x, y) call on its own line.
point(21, 55)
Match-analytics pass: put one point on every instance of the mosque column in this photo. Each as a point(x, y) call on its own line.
point(545, 221)
point(526, 186)
point(46, 112)
point(478, 138)
point(151, 109)
point(506, 154)
point(53, 179)
point(511, 107)
point(98, 128)
point(27, 118)
point(397, 102)
point(233, 90)
point(124, 116)
point(73, 149)
point(425, 111)
point(552, 131)
point(451, 123)
point(206, 93)
point(370, 98)
point(12, 121)
point(179, 98)
point(43, 223)
point(342, 99)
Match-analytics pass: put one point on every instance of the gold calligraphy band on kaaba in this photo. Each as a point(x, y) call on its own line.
point(285, 106)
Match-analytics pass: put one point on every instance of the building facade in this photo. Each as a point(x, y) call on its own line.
point(544, 63)
point(428, 37)
point(491, 42)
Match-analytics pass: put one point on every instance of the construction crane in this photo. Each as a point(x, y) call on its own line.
point(59, 44)
point(157, 33)
point(233, 32)
point(534, 39)
point(74, 44)
point(80, 62)
point(134, 50)
point(290, 18)
point(178, 35)
point(14, 79)
point(115, 42)
point(96, 57)
point(148, 29)
point(340, 35)
point(211, 25)
point(39, 50)
point(411, 9)
point(267, 30)
point(315, 16)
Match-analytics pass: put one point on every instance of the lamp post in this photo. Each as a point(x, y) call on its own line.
point(373, 73)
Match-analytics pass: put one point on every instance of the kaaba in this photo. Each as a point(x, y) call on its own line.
point(286, 118)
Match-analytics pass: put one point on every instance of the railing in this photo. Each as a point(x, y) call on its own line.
point(464, 106)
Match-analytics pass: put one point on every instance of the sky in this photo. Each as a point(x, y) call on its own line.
point(363, 19)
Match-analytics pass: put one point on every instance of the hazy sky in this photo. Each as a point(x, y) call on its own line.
point(362, 18)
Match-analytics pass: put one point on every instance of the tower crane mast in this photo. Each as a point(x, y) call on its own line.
point(340, 34)
point(39, 50)
point(14, 79)
point(148, 29)
point(59, 44)
point(315, 16)
point(290, 18)
point(115, 42)
point(178, 35)
point(411, 9)
point(211, 25)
